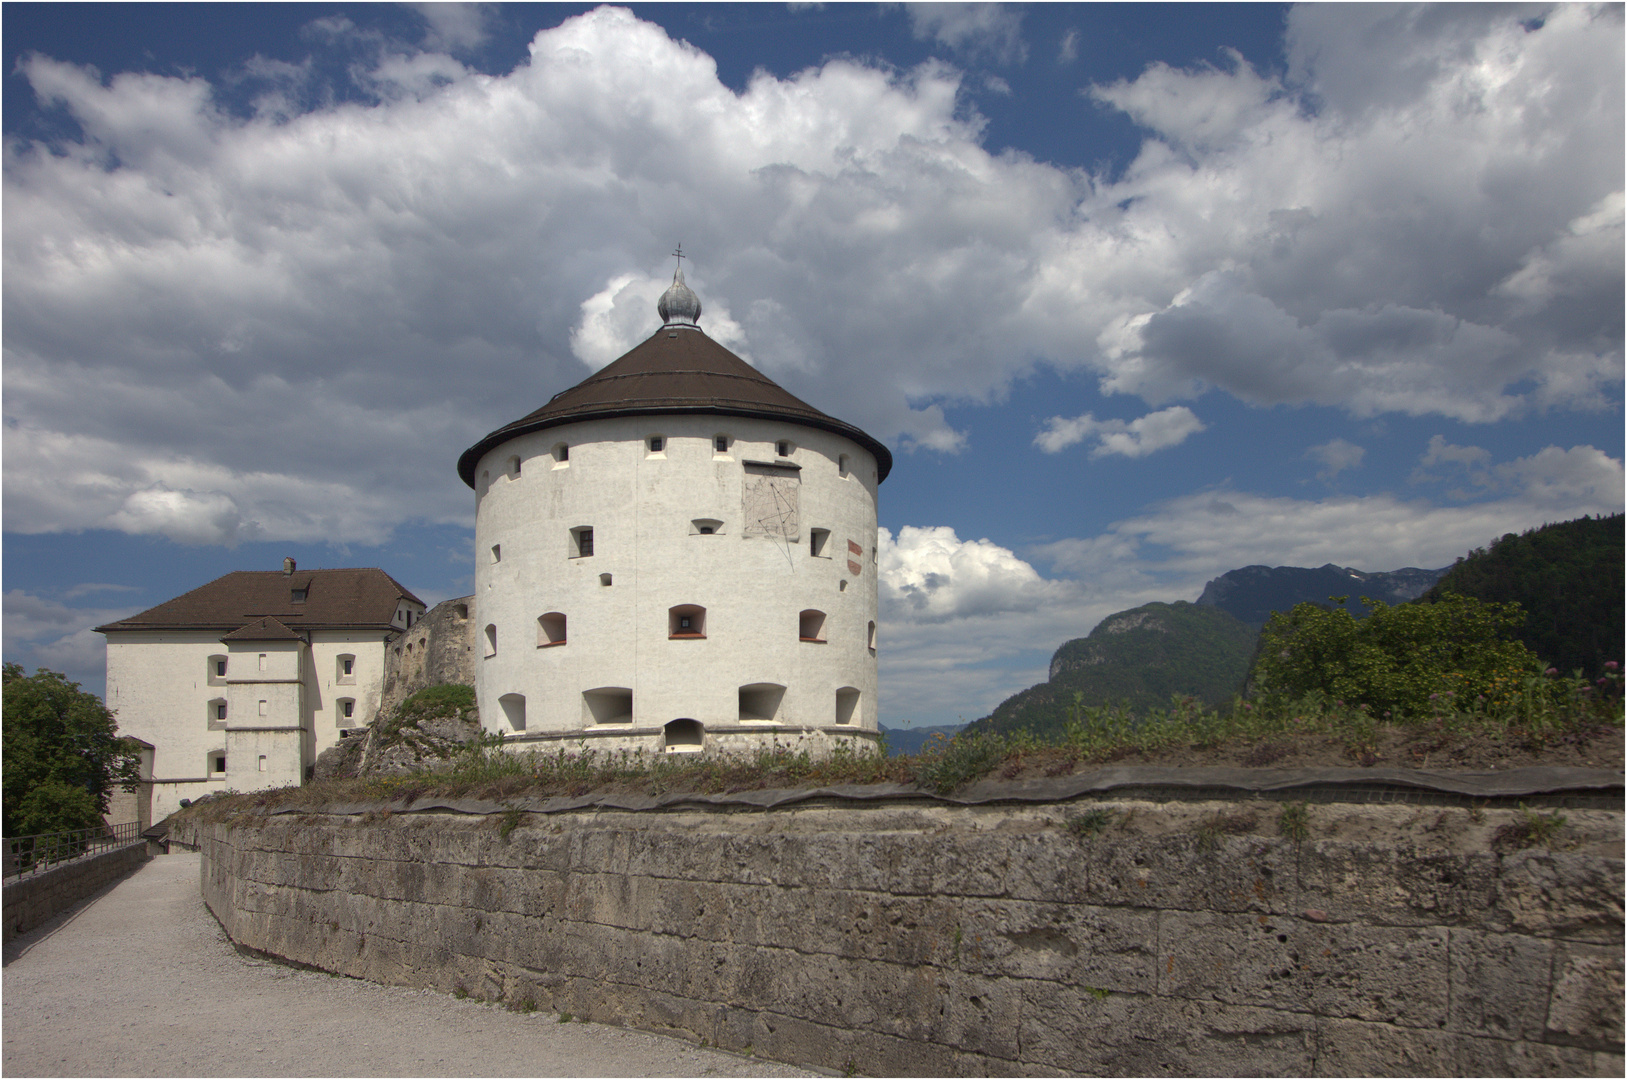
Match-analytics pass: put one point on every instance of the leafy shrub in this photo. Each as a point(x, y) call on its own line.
point(1393, 661)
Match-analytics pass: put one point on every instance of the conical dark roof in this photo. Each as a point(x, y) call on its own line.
point(677, 370)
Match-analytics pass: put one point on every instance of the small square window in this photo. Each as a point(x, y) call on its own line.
point(349, 708)
point(220, 710)
point(707, 530)
point(657, 444)
point(782, 448)
point(217, 763)
point(720, 444)
point(299, 596)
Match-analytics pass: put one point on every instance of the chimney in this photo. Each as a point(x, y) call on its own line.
point(288, 566)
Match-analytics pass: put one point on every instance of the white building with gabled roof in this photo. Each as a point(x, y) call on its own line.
point(676, 554)
point(242, 682)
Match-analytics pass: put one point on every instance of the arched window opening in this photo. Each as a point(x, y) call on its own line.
point(607, 705)
point(491, 640)
point(683, 736)
point(811, 625)
point(217, 670)
point(344, 668)
point(705, 527)
point(761, 701)
point(847, 705)
point(513, 711)
point(217, 714)
point(550, 629)
point(605, 579)
point(686, 621)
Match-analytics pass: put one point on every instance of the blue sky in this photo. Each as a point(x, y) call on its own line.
point(1137, 293)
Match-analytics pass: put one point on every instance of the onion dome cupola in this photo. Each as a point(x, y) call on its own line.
point(678, 369)
point(679, 306)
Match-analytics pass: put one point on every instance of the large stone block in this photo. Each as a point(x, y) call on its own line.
point(1559, 893)
point(1586, 1004)
point(1499, 984)
point(1083, 1031)
point(1392, 974)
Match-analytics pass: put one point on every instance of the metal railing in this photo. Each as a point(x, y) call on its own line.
point(28, 855)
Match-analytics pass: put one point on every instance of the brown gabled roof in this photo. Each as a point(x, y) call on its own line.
point(363, 598)
point(264, 629)
point(677, 370)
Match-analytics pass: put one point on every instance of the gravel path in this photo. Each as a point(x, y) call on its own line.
point(141, 981)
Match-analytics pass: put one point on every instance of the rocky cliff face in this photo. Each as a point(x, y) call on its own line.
point(439, 648)
point(1254, 592)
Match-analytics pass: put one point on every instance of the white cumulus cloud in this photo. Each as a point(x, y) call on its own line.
point(311, 310)
point(1135, 438)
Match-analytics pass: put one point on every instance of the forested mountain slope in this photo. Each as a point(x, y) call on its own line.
point(1567, 577)
point(1142, 656)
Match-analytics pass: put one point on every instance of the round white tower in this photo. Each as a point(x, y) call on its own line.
point(676, 555)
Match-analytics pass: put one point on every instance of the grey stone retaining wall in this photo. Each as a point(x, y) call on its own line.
point(35, 900)
point(1182, 938)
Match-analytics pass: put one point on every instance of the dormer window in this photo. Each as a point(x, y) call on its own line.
point(299, 596)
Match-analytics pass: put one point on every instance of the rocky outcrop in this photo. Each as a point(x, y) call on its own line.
point(439, 648)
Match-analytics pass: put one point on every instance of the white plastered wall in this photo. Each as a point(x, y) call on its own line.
point(326, 687)
point(642, 506)
point(160, 686)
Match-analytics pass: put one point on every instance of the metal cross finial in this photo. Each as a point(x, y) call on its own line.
point(680, 254)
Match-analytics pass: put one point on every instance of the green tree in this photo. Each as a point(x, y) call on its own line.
point(62, 754)
point(1399, 660)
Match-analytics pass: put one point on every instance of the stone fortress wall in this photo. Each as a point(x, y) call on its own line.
point(1115, 937)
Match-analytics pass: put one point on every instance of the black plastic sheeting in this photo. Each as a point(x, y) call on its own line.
point(1542, 785)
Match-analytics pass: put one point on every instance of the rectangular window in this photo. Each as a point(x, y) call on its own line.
point(299, 596)
point(581, 542)
point(262, 707)
point(262, 661)
point(220, 710)
point(818, 539)
point(720, 444)
point(349, 708)
point(348, 666)
point(262, 763)
point(657, 444)
point(217, 763)
point(220, 669)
